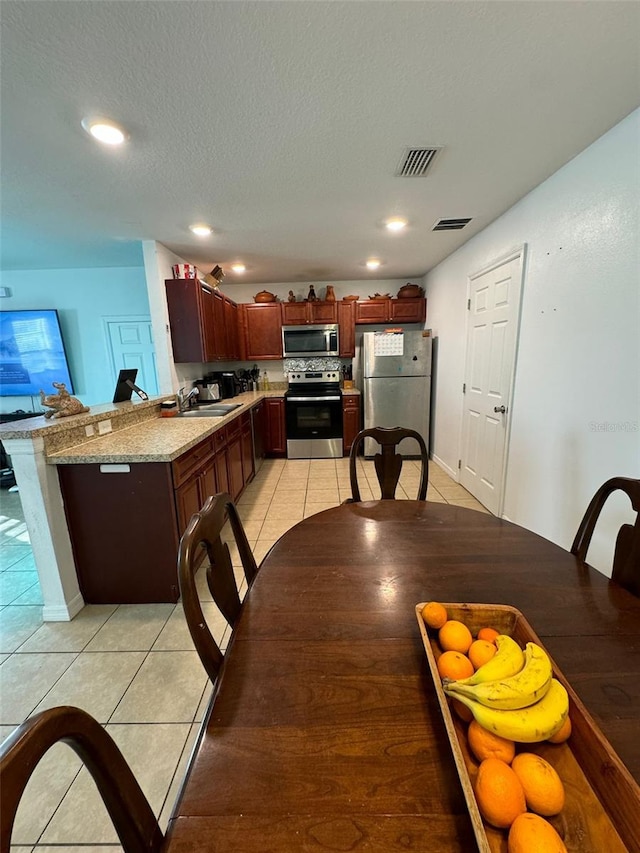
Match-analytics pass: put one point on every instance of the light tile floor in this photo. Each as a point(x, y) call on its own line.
point(116, 661)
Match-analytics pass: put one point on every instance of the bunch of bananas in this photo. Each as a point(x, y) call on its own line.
point(514, 695)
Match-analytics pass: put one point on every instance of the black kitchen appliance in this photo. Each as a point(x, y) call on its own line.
point(313, 414)
point(228, 383)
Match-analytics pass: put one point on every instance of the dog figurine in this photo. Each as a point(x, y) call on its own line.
point(61, 404)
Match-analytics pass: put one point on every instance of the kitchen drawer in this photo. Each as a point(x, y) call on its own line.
point(220, 438)
point(187, 464)
point(234, 428)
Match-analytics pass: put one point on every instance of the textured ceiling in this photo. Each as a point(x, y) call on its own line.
point(281, 124)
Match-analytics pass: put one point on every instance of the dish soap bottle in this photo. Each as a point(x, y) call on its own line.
point(265, 381)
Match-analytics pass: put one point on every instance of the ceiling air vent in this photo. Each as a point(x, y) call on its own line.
point(416, 162)
point(450, 224)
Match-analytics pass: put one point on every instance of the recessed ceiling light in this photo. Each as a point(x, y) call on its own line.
point(238, 267)
point(201, 230)
point(396, 224)
point(105, 130)
point(373, 263)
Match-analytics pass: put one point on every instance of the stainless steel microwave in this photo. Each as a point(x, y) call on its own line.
point(308, 341)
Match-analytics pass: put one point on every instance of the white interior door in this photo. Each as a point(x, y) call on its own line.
point(130, 345)
point(492, 335)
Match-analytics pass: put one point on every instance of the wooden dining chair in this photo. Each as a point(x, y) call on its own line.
point(130, 812)
point(626, 556)
point(388, 464)
point(204, 532)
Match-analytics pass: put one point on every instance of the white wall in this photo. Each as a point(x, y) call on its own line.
point(83, 298)
point(576, 405)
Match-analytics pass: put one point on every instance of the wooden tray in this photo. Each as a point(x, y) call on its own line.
point(602, 808)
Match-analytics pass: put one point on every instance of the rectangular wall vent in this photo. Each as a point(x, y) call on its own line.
point(450, 224)
point(415, 162)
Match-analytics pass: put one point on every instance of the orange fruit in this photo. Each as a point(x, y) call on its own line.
point(499, 793)
point(488, 634)
point(543, 788)
point(563, 733)
point(454, 636)
point(485, 744)
point(532, 834)
point(454, 665)
point(481, 651)
point(434, 615)
point(465, 714)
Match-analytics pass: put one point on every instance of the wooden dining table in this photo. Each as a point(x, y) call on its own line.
point(323, 732)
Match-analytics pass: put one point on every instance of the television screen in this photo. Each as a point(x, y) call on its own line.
point(32, 355)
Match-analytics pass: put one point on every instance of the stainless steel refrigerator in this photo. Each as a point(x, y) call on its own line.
point(396, 379)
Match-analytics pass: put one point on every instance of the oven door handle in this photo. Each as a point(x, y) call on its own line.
point(313, 399)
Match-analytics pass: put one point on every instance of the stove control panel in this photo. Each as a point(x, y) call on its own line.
point(315, 376)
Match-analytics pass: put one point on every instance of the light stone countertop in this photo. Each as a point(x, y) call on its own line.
point(139, 433)
point(156, 439)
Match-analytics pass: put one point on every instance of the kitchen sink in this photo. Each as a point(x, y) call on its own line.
point(212, 410)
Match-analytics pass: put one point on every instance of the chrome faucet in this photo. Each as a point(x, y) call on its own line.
point(184, 400)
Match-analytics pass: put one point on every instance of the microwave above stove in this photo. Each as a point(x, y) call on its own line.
point(307, 341)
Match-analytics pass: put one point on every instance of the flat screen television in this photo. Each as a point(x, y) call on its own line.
point(32, 355)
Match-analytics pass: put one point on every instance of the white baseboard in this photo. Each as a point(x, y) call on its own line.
point(450, 471)
point(63, 612)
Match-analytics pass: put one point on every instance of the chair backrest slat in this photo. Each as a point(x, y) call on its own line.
point(626, 558)
point(388, 463)
point(201, 538)
point(132, 816)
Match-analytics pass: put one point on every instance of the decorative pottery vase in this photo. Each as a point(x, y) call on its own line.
point(330, 295)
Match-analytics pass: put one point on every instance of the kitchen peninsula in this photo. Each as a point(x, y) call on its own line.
point(134, 478)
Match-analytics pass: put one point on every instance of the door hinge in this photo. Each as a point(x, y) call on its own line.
point(459, 464)
point(468, 305)
point(464, 387)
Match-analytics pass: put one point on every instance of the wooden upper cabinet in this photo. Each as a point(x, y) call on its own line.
point(408, 310)
point(300, 313)
point(261, 330)
point(203, 322)
point(191, 319)
point(372, 311)
point(324, 312)
point(220, 319)
point(347, 319)
point(392, 311)
point(231, 324)
point(295, 313)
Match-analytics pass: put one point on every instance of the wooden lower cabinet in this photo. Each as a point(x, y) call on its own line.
point(125, 521)
point(234, 463)
point(192, 494)
point(246, 444)
point(123, 528)
point(275, 431)
point(350, 420)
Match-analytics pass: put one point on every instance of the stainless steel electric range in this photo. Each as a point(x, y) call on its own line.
point(313, 411)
